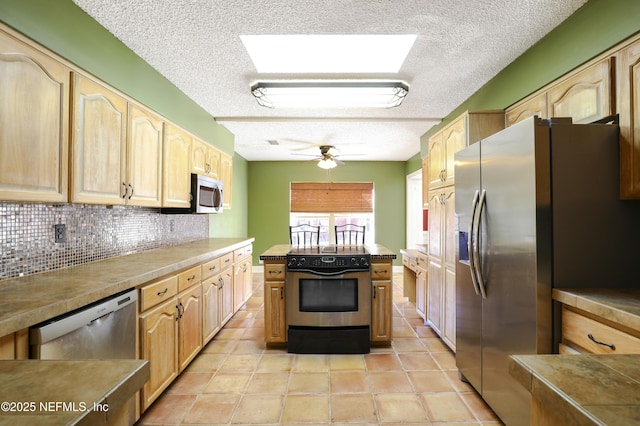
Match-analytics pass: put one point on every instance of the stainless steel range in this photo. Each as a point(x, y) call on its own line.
point(328, 299)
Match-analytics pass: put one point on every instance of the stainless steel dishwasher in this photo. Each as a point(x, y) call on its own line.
point(102, 330)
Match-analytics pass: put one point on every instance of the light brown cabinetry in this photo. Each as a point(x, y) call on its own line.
point(382, 302)
point(226, 175)
point(425, 182)
point(583, 332)
point(189, 324)
point(422, 280)
point(99, 144)
point(159, 345)
point(242, 276)
point(34, 135)
point(144, 157)
point(205, 159)
point(469, 128)
point(629, 109)
point(535, 105)
point(274, 302)
point(176, 182)
point(15, 345)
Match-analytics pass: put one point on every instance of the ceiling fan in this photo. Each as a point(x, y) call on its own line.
point(327, 158)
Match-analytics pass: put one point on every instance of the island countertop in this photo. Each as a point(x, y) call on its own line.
point(39, 392)
point(279, 252)
point(29, 300)
point(583, 389)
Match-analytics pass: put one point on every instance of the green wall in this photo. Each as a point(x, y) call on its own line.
point(594, 28)
point(67, 30)
point(269, 197)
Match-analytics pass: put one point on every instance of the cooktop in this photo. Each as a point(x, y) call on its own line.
point(335, 258)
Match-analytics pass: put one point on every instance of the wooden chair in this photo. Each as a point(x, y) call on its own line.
point(349, 234)
point(304, 235)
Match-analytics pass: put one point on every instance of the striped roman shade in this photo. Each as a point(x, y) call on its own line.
point(331, 197)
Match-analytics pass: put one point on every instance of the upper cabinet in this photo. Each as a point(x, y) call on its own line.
point(629, 109)
point(34, 129)
point(226, 176)
point(205, 159)
point(99, 144)
point(466, 129)
point(144, 157)
point(585, 96)
point(176, 182)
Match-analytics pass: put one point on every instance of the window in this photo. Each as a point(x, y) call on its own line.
point(327, 204)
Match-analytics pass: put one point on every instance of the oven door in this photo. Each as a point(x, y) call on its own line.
point(339, 300)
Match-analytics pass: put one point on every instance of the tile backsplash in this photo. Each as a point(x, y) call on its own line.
point(27, 238)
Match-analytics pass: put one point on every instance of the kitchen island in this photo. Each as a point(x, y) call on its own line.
point(596, 378)
point(275, 299)
point(85, 392)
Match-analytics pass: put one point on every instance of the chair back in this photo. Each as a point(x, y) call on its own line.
point(349, 234)
point(304, 235)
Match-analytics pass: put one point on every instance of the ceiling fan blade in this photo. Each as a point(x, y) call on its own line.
point(338, 162)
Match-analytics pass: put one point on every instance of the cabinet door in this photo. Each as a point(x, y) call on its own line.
point(537, 105)
point(381, 311)
point(454, 139)
point(226, 175)
point(586, 96)
point(210, 310)
point(436, 161)
point(199, 157)
point(629, 65)
point(144, 157)
point(274, 316)
point(34, 134)
point(238, 285)
point(436, 212)
point(159, 345)
point(421, 292)
point(449, 307)
point(425, 182)
point(176, 184)
point(189, 325)
point(213, 162)
point(225, 285)
point(448, 212)
point(434, 307)
point(248, 278)
point(99, 144)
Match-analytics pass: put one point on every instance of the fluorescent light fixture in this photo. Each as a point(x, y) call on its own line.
point(382, 94)
point(328, 53)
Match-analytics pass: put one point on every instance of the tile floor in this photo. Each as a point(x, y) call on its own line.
point(236, 380)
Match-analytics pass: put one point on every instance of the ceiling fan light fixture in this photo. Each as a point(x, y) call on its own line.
point(327, 163)
point(382, 94)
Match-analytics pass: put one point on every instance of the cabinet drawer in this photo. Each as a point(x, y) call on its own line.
point(226, 260)
point(189, 277)
point(381, 271)
point(576, 329)
point(210, 268)
point(274, 271)
point(242, 252)
point(153, 294)
point(422, 260)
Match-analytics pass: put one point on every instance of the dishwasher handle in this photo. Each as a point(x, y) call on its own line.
point(64, 324)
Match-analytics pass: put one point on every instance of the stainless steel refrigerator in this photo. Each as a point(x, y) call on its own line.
point(537, 207)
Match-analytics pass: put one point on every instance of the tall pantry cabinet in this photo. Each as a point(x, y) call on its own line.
point(461, 132)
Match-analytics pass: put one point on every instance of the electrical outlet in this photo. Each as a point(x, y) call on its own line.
point(60, 232)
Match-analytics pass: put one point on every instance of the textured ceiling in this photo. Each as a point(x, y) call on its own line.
point(461, 45)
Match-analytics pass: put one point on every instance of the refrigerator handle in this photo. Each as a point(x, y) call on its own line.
point(470, 245)
point(477, 259)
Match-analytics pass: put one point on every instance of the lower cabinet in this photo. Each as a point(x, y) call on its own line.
point(382, 302)
point(421, 291)
point(274, 302)
point(159, 345)
point(210, 309)
point(189, 325)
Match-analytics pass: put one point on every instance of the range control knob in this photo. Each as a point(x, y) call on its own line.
point(354, 261)
point(292, 261)
point(364, 262)
point(302, 261)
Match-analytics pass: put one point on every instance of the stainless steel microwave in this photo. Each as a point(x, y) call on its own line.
point(207, 196)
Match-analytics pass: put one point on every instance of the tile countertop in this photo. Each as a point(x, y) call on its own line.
point(29, 300)
point(279, 252)
point(39, 392)
point(588, 389)
point(583, 389)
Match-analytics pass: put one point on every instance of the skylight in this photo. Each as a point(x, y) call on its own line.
point(328, 53)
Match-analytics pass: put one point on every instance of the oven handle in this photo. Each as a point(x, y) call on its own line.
point(328, 274)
